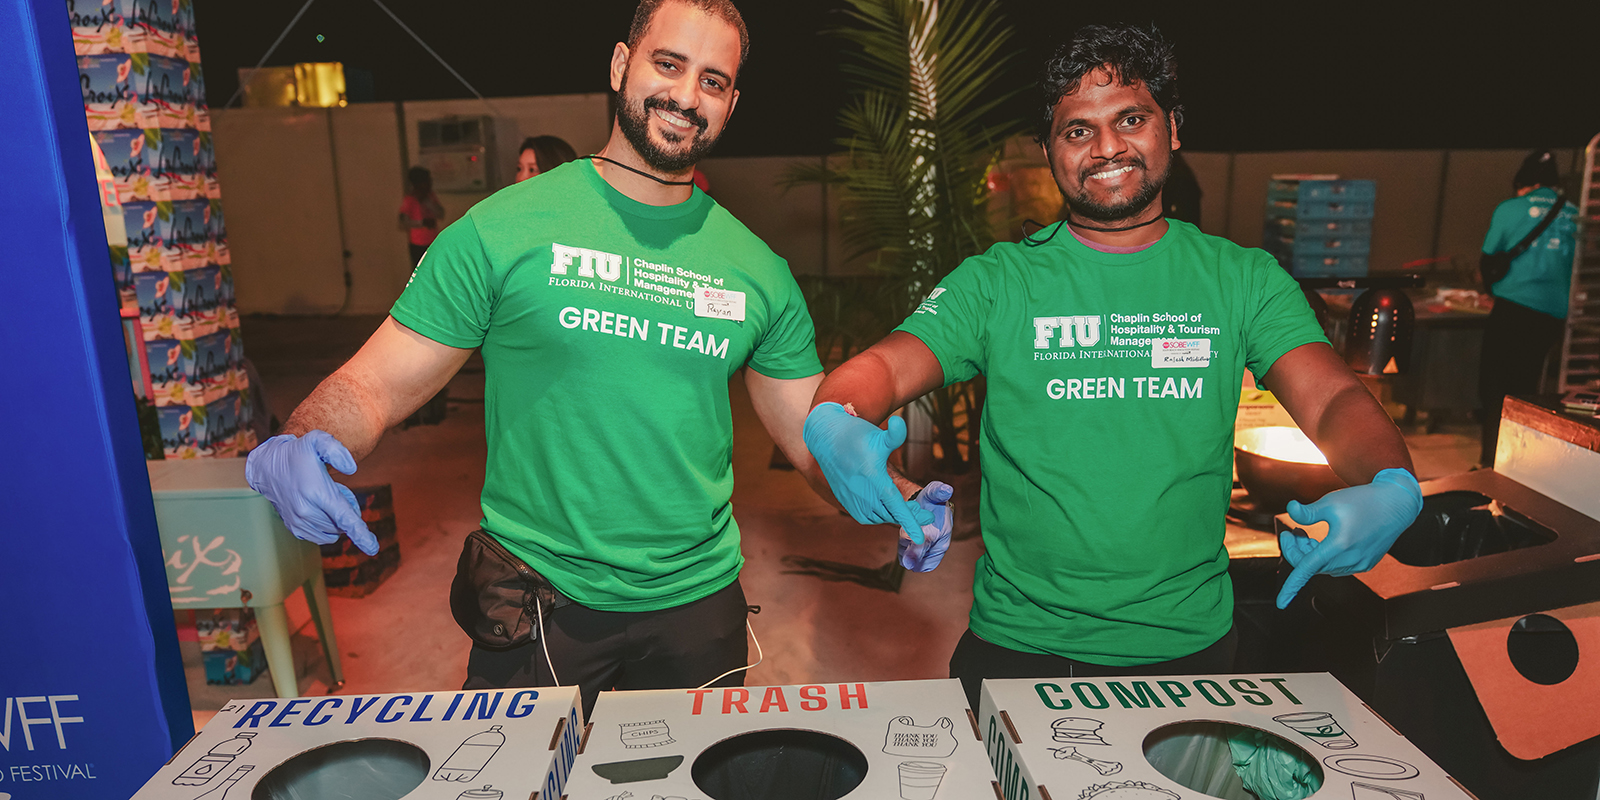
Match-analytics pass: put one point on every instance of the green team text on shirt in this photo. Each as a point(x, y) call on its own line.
point(609, 330)
point(1107, 431)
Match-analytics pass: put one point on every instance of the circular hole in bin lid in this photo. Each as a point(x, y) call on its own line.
point(363, 769)
point(782, 764)
point(1222, 759)
point(1542, 649)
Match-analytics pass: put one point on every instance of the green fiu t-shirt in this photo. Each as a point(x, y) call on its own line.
point(609, 330)
point(1107, 432)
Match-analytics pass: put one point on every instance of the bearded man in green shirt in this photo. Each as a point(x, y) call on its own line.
point(1114, 344)
point(612, 302)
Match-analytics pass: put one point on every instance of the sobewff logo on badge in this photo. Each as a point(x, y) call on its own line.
point(1179, 353)
point(718, 303)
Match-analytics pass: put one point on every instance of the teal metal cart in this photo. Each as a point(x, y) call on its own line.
point(225, 547)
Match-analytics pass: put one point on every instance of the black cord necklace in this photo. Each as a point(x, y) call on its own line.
point(641, 172)
point(1158, 218)
point(1028, 239)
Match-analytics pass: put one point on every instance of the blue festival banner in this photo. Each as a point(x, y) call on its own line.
point(91, 683)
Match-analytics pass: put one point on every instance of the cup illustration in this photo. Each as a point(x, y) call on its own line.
point(919, 780)
point(1319, 727)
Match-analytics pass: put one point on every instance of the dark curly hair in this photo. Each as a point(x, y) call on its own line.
point(1132, 55)
point(721, 9)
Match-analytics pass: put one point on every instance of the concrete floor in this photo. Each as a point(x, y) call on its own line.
point(402, 637)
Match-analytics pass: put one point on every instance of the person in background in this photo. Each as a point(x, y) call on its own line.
point(420, 212)
point(1530, 302)
point(540, 154)
point(1113, 343)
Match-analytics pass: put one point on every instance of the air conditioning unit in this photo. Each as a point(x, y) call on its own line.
point(459, 151)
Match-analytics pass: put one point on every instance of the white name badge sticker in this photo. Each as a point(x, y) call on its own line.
point(719, 303)
point(1169, 353)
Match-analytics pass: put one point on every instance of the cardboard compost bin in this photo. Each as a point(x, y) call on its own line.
point(505, 744)
point(914, 740)
point(1101, 739)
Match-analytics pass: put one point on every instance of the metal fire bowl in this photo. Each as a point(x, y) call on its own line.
point(1272, 482)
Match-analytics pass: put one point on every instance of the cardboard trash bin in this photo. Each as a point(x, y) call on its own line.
point(505, 744)
point(914, 740)
point(1092, 738)
point(1475, 634)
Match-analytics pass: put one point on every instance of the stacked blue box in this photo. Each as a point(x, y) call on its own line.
point(1320, 227)
point(145, 106)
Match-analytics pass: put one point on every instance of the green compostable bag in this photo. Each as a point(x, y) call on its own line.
point(1269, 769)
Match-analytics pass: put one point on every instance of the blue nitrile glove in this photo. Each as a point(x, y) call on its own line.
point(853, 454)
point(290, 471)
point(1363, 522)
point(925, 556)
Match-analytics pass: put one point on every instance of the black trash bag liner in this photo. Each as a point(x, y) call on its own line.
point(780, 765)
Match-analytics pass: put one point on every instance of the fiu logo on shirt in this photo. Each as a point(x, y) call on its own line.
point(1079, 331)
point(590, 263)
point(928, 306)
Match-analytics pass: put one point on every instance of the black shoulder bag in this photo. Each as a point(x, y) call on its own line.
point(1496, 266)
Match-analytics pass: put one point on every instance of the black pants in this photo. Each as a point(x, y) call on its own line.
point(1515, 346)
point(976, 658)
point(673, 648)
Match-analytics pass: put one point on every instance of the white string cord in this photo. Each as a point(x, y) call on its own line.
point(760, 656)
point(544, 640)
point(251, 75)
point(439, 58)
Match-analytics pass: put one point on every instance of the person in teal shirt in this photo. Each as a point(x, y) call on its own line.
point(1530, 304)
point(1114, 343)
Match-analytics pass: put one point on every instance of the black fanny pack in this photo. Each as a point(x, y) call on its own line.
point(494, 593)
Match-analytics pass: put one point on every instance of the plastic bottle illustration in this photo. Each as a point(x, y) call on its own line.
point(469, 759)
point(214, 762)
point(221, 792)
point(486, 793)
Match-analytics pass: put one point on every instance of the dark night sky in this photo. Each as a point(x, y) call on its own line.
point(1285, 76)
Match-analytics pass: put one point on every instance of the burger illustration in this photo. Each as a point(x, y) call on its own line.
point(1127, 790)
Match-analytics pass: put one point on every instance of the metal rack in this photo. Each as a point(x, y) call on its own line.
point(1580, 352)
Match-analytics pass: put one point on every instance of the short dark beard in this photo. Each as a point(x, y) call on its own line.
point(1083, 206)
point(633, 117)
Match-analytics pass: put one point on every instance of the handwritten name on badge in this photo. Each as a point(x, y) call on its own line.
point(718, 303)
point(1169, 353)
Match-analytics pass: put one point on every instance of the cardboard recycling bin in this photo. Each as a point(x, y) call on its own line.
point(1071, 738)
point(503, 744)
point(914, 740)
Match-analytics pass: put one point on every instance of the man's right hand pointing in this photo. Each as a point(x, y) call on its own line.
point(291, 471)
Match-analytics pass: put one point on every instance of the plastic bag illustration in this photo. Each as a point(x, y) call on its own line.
point(906, 738)
point(654, 733)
